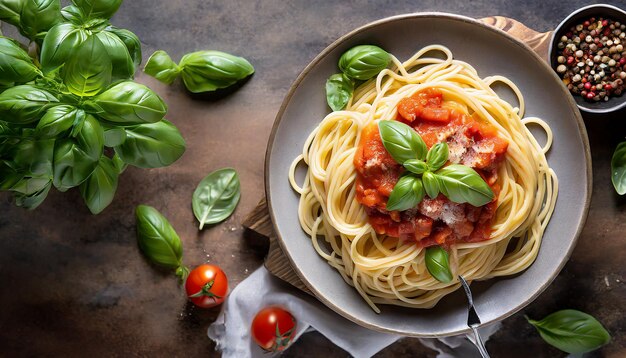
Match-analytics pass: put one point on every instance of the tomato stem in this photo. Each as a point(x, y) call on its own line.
point(206, 291)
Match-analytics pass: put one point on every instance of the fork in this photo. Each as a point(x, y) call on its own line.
point(473, 321)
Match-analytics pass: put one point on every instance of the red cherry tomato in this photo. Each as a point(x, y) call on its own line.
point(273, 328)
point(206, 286)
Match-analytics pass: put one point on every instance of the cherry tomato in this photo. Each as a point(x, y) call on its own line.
point(206, 286)
point(273, 328)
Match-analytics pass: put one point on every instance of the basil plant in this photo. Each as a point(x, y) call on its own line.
point(70, 113)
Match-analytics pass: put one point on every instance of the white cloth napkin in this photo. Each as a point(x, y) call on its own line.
point(231, 330)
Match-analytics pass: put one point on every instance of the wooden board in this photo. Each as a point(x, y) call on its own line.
point(259, 219)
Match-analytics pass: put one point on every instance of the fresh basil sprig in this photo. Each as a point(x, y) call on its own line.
point(438, 264)
point(216, 196)
point(459, 183)
point(202, 71)
point(158, 240)
point(572, 331)
point(70, 97)
point(359, 63)
point(618, 168)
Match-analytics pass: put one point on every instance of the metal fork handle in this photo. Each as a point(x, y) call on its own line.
point(478, 342)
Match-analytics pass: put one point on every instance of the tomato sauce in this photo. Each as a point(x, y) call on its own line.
point(437, 221)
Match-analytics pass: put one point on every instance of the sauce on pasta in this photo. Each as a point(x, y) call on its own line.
point(435, 221)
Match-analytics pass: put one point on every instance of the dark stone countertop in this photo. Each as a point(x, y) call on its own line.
point(74, 284)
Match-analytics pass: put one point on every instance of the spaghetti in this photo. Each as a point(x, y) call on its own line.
point(391, 270)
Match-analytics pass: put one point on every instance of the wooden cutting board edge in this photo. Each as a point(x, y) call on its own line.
point(259, 220)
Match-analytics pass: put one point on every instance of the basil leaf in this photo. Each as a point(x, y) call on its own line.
point(33, 200)
point(431, 184)
point(401, 141)
point(205, 71)
point(88, 70)
point(98, 8)
point(74, 15)
point(114, 136)
point(38, 16)
point(99, 189)
point(416, 166)
point(437, 156)
point(10, 11)
point(438, 265)
point(618, 168)
point(34, 157)
point(406, 194)
point(123, 66)
point(572, 331)
point(364, 62)
point(152, 145)
point(133, 45)
point(25, 103)
point(216, 196)
point(59, 44)
point(129, 103)
point(15, 64)
point(461, 184)
point(339, 89)
point(76, 158)
point(57, 120)
point(161, 67)
point(157, 239)
point(119, 164)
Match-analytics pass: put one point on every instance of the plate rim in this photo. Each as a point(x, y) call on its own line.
point(324, 53)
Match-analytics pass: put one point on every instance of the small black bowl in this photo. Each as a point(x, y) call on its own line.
point(575, 18)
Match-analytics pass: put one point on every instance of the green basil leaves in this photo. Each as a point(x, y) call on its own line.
point(99, 189)
point(339, 89)
point(216, 196)
point(364, 62)
point(76, 96)
point(158, 240)
point(97, 8)
point(10, 11)
point(437, 156)
point(129, 103)
point(438, 264)
point(151, 145)
point(133, 45)
point(59, 44)
point(58, 120)
point(122, 64)
point(38, 16)
point(360, 63)
point(76, 158)
point(461, 184)
point(89, 70)
point(161, 67)
point(401, 141)
point(202, 71)
point(24, 104)
point(572, 331)
point(618, 169)
point(406, 194)
point(15, 64)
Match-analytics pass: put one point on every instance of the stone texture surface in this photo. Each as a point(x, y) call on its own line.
point(73, 284)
